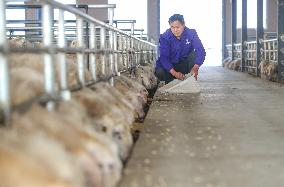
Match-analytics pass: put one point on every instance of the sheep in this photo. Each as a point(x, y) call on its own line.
point(235, 64)
point(32, 160)
point(98, 161)
point(25, 84)
point(106, 118)
point(138, 88)
point(35, 61)
point(19, 42)
point(117, 99)
point(135, 97)
point(268, 70)
point(145, 76)
point(226, 62)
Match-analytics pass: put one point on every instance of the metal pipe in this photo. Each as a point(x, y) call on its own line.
point(4, 73)
point(115, 54)
point(65, 93)
point(88, 18)
point(132, 54)
point(102, 45)
point(61, 43)
point(111, 39)
point(111, 6)
point(132, 46)
point(140, 58)
point(135, 47)
point(141, 34)
point(48, 61)
point(92, 56)
point(120, 48)
point(128, 56)
point(80, 56)
point(132, 28)
point(111, 56)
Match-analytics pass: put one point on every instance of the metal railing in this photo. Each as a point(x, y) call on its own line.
point(250, 57)
point(269, 53)
point(119, 51)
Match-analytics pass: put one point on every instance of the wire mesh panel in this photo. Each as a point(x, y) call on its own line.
point(237, 51)
point(269, 60)
point(250, 59)
point(269, 52)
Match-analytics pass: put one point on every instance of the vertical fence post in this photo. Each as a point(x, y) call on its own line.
point(132, 52)
point(120, 60)
point(125, 51)
point(4, 73)
point(65, 93)
point(102, 47)
point(115, 54)
point(48, 60)
point(80, 55)
point(111, 42)
point(280, 41)
point(92, 44)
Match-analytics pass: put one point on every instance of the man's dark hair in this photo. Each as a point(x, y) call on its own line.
point(176, 17)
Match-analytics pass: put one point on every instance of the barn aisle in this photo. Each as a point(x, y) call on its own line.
point(229, 135)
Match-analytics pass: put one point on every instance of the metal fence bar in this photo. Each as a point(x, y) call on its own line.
point(125, 52)
point(62, 57)
point(48, 60)
point(269, 52)
point(111, 42)
point(102, 47)
point(109, 6)
point(92, 56)
point(4, 74)
point(80, 56)
point(115, 54)
point(89, 18)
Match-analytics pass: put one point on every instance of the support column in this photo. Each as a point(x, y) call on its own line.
point(234, 25)
point(244, 33)
point(100, 14)
point(227, 19)
point(224, 29)
point(280, 40)
point(153, 19)
point(259, 34)
point(271, 14)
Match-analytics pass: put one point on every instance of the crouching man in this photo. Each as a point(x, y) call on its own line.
point(180, 51)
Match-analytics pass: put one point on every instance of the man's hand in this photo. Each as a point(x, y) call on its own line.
point(194, 70)
point(176, 74)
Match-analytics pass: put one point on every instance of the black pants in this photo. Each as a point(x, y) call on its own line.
point(184, 66)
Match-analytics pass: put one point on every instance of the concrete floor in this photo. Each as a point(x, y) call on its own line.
point(229, 135)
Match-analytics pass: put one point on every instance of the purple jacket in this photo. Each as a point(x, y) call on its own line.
point(171, 49)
